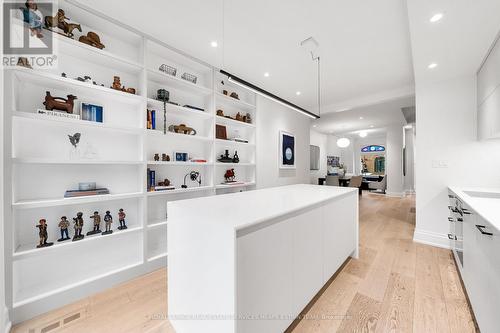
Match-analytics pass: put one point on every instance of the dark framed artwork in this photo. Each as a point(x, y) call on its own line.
point(220, 132)
point(287, 150)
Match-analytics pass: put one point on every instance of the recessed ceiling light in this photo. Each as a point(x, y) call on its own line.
point(432, 65)
point(214, 43)
point(363, 134)
point(361, 118)
point(266, 74)
point(436, 17)
point(371, 126)
point(298, 93)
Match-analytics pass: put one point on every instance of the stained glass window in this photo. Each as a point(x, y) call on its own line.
point(372, 149)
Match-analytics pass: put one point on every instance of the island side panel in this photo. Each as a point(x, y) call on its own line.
point(201, 270)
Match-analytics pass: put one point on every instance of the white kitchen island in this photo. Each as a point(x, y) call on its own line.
point(251, 261)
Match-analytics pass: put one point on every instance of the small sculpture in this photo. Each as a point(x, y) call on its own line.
point(97, 224)
point(75, 139)
point(92, 39)
point(220, 113)
point(42, 232)
point(116, 83)
point(157, 157)
point(130, 91)
point(78, 225)
point(168, 69)
point(63, 226)
point(23, 62)
point(59, 21)
point(59, 103)
point(163, 95)
point(239, 117)
point(108, 220)
point(229, 175)
point(165, 157)
point(64, 75)
point(236, 158)
point(225, 158)
point(234, 95)
point(121, 219)
point(195, 176)
point(165, 182)
point(225, 92)
point(182, 128)
point(69, 27)
point(247, 118)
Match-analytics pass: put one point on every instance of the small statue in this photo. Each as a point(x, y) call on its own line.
point(91, 39)
point(97, 224)
point(64, 75)
point(75, 139)
point(108, 219)
point(165, 157)
point(236, 158)
point(130, 91)
point(225, 158)
point(163, 95)
point(234, 95)
point(59, 103)
point(63, 226)
point(42, 232)
point(229, 175)
point(78, 225)
point(165, 182)
point(157, 157)
point(225, 92)
point(121, 219)
point(117, 85)
point(247, 118)
point(239, 117)
point(220, 113)
point(182, 128)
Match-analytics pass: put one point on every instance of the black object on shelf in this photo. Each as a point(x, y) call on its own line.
point(193, 107)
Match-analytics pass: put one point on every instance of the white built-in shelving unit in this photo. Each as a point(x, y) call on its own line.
point(41, 164)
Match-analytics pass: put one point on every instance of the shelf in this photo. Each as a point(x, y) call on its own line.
point(63, 121)
point(234, 164)
point(177, 83)
point(178, 163)
point(231, 122)
point(157, 224)
point(160, 256)
point(181, 190)
point(26, 251)
point(178, 135)
point(20, 160)
point(179, 110)
point(234, 102)
point(103, 58)
point(234, 143)
point(224, 186)
point(53, 81)
point(28, 204)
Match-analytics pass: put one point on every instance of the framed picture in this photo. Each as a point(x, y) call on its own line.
point(91, 112)
point(181, 156)
point(287, 150)
point(220, 132)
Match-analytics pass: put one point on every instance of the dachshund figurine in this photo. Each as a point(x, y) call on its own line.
point(59, 103)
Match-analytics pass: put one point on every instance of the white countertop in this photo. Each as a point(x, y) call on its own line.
point(244, 209)
point(487, 208)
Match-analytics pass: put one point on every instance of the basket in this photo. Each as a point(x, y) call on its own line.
point(189, 77)
point(168, 69)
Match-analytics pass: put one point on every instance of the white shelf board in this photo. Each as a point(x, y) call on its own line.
point(103, 58)
point(233, 143)
point(181, 190)
point(158, 223)
point(179, 110)
point(27, 204)
point(234, 102)
point(21, 160)
point(231, 122)
point(235, 164)
point(74, 285)
point(26, 251)
point(159, 256)
point(178, 135)
point(74, 122)
point(49, 80)
point(224, 186)
point(177, 82)
point(173, 163)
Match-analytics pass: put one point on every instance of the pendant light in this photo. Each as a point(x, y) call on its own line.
point(343, 142)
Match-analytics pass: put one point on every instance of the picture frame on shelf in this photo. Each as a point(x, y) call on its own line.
point(91, 112)
point(220, 132)
point(181, 156)
point(287, 150)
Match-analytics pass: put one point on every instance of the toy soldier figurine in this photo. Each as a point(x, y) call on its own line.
point(121, 219)
point(78, 224)
point(42, 232)
point(108, 219)
point(63, 225)
point(97, 224)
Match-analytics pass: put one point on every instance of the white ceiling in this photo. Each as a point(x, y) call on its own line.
point(376, 118)
point(364, 45)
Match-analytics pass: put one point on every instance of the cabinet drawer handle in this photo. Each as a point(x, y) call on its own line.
point(465, 211)
point(451, 219)
point(480, 228)
point(451, 237)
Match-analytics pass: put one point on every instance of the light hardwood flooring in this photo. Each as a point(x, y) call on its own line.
point(395, 286)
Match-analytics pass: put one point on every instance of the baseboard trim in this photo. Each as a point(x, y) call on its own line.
point(8, 323)
point(395, 194)
point(431, 238)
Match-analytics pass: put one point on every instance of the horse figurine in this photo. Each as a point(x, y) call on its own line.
point(69, 27)
point(59, 21)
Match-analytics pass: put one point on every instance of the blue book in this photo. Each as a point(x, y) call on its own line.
point(153, 119)
point(92, 112)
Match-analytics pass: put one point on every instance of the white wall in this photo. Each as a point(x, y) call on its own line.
point(272, 118)
point(320, 140)
point(394, 161)
point(409, 178)
point(446, 113)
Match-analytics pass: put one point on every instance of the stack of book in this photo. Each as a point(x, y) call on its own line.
point(58, 114)
point(151, 124)
point(78, 193)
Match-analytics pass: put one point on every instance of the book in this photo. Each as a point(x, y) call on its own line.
point(91, 112)
point(164, 188)
point(153, 119)
point(151, 180)
point(58, 114)
point(78, 193)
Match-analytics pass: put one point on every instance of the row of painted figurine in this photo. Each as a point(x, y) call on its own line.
point(78, 226)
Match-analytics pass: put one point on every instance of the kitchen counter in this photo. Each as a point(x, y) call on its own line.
point(259, 255)
point(487, 208)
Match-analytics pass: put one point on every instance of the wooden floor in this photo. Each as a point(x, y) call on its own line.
point(395, 286)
